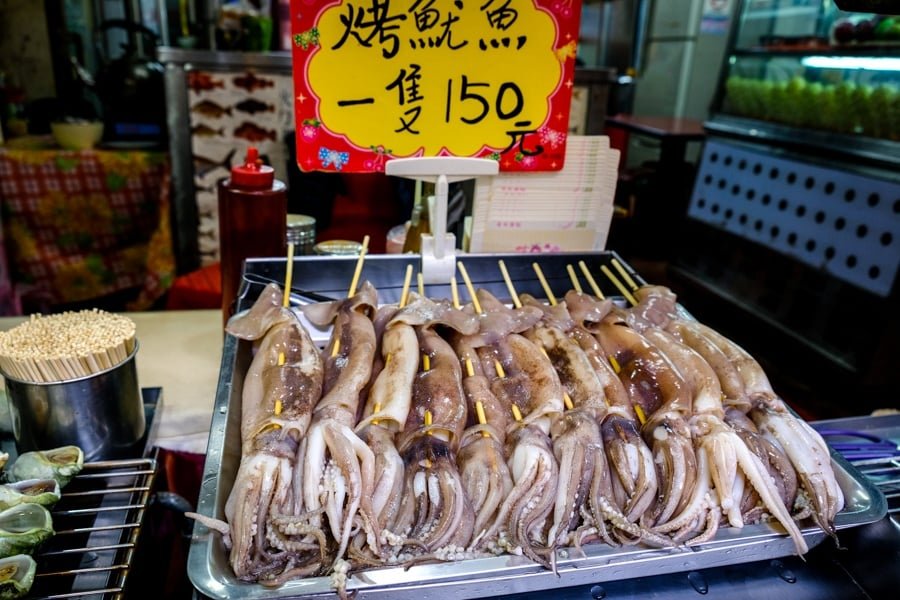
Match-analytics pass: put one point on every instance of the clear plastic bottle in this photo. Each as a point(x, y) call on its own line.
point(418, 224)
point(252, 221)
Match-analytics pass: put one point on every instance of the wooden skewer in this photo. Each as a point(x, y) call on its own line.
point(281, 359)
point(509, 285)
point(615, 364)
point(624, 274)
point(618, 284)
point(454, 292)
point(640, 413)
point(499, 368)
point(420, 279)
point(353, 283)
point(544, 284)
point(85, 365)
point(359, 265)
point(470, 287)
point(517, 414)
point(289, 274)
point(427, 420)
point(426, 362)
point(590, 279)
point(479, 407)
point(377, 409)
point(278, 406)
point(404, 295)
point(575, 283)
point(267, 426)
point(479, 410)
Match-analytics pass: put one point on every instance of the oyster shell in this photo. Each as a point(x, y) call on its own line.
point(23, 527)
point(38, 491)
point(16, 575)
point(61, 464)
point(4, 456)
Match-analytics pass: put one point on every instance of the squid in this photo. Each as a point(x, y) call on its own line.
point(659, 392)
point(577, 443)
point(481, 459)
point(523, 379)
point(729, 460)
point(436, 513)
point(338, 468)
point(634, 479)
point(748, 383)
point(281, 388)
point(778, 465)
point(385, 412)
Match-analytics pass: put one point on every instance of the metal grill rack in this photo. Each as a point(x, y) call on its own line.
point(97, 522)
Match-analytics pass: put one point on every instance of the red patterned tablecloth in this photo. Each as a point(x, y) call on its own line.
point(86, 225)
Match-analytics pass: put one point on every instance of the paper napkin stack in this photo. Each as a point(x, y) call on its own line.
point(559, 211)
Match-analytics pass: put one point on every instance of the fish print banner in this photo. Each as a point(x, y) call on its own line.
point(230, 111)
point(379, 79)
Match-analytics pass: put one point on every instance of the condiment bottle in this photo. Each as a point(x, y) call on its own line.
point(252, 214)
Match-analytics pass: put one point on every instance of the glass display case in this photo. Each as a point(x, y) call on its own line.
point(794, 219)
point(807, 65)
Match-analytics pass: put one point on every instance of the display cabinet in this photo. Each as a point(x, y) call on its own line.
point(805, 73)
point(793, 229)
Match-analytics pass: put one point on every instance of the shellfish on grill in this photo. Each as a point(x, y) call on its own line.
point(61, 464)
point(45, 492)
point(23, 528)
point(16, 576)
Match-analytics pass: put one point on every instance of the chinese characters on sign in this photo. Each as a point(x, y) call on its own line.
point(376, 79)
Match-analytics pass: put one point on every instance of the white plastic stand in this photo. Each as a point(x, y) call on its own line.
point(439, 248)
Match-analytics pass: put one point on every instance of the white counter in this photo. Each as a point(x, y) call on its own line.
point(180, 352)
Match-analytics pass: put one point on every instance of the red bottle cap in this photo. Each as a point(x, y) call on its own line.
point(252, 174)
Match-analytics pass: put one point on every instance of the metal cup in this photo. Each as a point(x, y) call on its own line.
point(103, 413)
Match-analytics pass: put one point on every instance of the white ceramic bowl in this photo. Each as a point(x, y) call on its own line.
point(77, 136)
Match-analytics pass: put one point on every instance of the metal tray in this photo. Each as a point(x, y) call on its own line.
point(208, 566)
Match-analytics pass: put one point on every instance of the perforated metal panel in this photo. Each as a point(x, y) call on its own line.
point(844, 223)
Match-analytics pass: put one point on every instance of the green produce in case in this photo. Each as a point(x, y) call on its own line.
point(871, 110)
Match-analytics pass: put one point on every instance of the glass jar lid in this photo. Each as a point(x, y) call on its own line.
point(338, 248)
point(301, 222)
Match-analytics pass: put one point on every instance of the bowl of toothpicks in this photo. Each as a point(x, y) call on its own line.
point(71, 379)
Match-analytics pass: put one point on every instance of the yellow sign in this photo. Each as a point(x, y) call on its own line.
point(429, 77)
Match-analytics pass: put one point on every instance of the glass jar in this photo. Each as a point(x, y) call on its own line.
point(301, 231)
